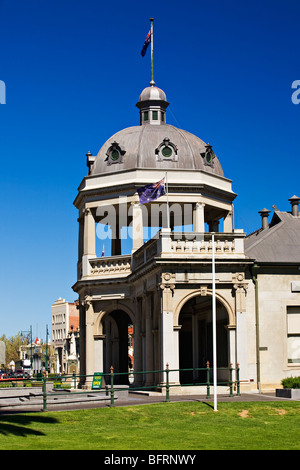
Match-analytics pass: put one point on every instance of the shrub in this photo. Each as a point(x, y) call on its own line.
point(291, 382)
point(59, 385)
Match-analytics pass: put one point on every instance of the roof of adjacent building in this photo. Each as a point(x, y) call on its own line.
point(278, 242)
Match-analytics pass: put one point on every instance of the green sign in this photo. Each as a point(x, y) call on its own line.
point(97, 381)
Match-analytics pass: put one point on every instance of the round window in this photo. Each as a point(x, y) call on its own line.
point(115, 154)
point(208, 156)
point(167, 151)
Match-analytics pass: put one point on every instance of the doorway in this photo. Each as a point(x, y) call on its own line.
point(118, 331)
point(195, 339)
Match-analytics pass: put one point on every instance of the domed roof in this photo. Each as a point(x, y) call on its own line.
point(152, 93)
point(163, 147)
point(154, 144)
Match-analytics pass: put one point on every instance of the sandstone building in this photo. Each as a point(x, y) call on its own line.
point(157, 275)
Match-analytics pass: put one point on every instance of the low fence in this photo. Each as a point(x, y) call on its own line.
point(60, 385)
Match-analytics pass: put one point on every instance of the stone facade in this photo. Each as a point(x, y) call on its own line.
point(162, 285)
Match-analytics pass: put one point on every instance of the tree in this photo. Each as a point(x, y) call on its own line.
point(12, 346)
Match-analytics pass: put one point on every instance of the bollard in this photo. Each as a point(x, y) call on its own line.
point(230, 380)
point(167, 384)
point(74, 380)
point(44, 391)
point(112, 392)
point(207, 380)
point(238, 379)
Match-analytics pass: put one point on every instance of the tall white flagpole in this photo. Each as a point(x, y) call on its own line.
point(152, 73)
point(214, 323)
point(168, 208)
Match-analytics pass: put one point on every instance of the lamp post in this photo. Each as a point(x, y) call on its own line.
point(46, 364)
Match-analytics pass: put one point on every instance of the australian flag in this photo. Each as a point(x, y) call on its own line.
point(151, 192)
point(146, 43)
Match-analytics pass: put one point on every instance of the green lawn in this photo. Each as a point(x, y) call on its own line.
point(164, 426)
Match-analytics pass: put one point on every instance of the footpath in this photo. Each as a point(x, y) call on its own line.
point(18, 402)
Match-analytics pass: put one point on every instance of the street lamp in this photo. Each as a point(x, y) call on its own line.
point(47, 333)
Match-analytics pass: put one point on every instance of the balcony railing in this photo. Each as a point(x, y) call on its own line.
point(111, 266)
point(170, 244)
point(201, 243)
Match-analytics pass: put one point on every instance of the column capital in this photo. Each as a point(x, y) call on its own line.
point(87, 211)
point(87, 302)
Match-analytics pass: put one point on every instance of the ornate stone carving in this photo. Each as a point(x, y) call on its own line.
point(166, 277)
point(168, 282)
point(203, 290)
point(86, 302)
point(240, 288)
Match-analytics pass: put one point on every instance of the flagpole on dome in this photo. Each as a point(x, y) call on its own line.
point(152, 83)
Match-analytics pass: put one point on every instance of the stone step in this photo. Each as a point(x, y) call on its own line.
point(36, 399)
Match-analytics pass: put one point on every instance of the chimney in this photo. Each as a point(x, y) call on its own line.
point(264, 218)
point(295, 205)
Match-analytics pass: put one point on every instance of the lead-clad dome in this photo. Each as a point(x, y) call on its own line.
point(154, 144)
point(152, 93)
point(164, 147)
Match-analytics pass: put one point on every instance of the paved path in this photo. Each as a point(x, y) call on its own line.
point(134, 399)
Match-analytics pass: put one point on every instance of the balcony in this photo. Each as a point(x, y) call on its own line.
point(170, 245)
point(111, 266)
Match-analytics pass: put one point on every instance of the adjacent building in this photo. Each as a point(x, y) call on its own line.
point(275, 251)
point(65, 335)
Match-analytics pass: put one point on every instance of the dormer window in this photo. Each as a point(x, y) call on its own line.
point(115, 154)
point(208, 155)
point(166, 151)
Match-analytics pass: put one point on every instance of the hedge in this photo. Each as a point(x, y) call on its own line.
point(291, 382)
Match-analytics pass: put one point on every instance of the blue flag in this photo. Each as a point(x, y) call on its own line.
point(146, 43)
point(151, 192)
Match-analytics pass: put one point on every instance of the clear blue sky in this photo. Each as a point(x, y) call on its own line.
point(73, 74)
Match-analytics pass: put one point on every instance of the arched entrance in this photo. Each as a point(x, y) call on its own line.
point(117, 330)
point(195, 338)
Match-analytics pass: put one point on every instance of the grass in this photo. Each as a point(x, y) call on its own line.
point(164, 426)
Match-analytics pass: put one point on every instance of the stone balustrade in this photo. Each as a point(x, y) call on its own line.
point(196, 243)
point(170, 244)
point(111, 266)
